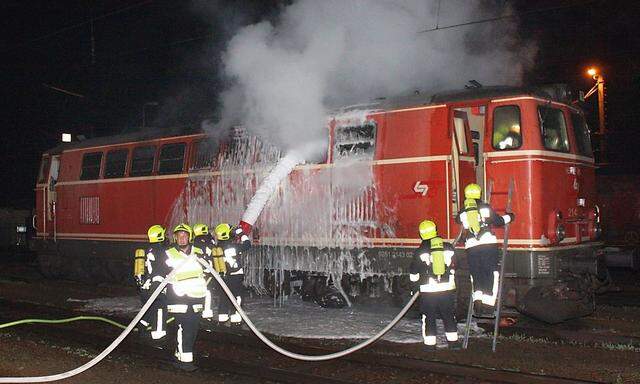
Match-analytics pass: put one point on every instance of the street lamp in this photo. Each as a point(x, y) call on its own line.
point(152, 103)
point(599, 87)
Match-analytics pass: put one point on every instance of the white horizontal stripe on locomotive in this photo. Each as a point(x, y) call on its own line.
point(392, 161)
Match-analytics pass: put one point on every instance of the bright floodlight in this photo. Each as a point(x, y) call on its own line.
point(592, 72)
point(66, 137)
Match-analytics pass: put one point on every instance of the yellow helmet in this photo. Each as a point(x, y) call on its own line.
point(156, 233)
point(200, 229)
point(183, 227)
point(472, 191)
point(427, 230)
point(223, 231)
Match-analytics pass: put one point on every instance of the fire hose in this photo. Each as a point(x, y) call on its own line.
point(106, 351)
point(299, 356)
point(260, 335)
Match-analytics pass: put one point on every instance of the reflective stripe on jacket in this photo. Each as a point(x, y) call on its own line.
point(189, 278)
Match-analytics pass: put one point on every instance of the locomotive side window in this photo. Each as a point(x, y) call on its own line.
point(355, 140)
point(553, 129)
point(91, 166)
point(142, 161)
point(44, 167)
point(203, 154)
point(506, 128)
point(171, 159)
point(115, 163)
point(581, 133)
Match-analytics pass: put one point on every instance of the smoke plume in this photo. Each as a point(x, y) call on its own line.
point(287, 72)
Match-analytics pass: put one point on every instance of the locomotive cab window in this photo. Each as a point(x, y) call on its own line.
point(507, 132)
point(142, 161)
point(581, 133)
point(355, 141)
point(171, 159)
point(203, 154)
point(91, 166)
point(115, 163)
point(553, 129)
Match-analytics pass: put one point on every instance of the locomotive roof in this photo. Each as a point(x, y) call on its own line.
point(410, 99)
point(418, 97)
point(142, 135)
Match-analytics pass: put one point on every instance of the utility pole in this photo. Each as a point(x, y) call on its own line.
point(599, 87)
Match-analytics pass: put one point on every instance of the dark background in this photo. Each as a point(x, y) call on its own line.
point(116, 56)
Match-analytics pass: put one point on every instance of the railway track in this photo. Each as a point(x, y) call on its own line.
point(238, 352)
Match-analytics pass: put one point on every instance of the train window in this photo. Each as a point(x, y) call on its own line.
point(203, 154)
point(355, 141)
point(553, 129)
point(44, 168)
point(171, 159)
point(115, 163)
point(581, 133)
point(91, 166)
point(506, 128)
point(142, 161)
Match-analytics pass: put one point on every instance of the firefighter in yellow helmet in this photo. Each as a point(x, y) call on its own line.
point(432, 270)
point(203, 240)
point(155, 318)
point(186, 292)
point(481, 245)
point(233, 242)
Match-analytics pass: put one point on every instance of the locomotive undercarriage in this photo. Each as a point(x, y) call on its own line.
point(551, 286)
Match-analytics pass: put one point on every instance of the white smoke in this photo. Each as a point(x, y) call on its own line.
point(285, 74)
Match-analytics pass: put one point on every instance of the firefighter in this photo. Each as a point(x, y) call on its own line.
point(186, 293)
point(207, 243)
point(155, 317)
point(481, 246)
point(232, 242)
point(432, 269)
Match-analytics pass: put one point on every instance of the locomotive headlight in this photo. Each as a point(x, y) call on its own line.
point(559, 215)
point(560, 232)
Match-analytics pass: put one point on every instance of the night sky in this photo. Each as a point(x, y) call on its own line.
point(109, 58)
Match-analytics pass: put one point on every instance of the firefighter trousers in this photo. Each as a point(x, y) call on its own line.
point(483, 266)
point(156, 316)
point(434, 305)
point(234, 282)
point(186, 311)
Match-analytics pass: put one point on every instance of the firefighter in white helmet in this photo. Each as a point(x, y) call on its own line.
point(155, 318)
point(233, 242)
point(481, 246)
point(186, 293)
point(207, 243)
point(432, 269)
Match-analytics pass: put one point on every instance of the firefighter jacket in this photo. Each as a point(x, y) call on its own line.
point(476, 218)
point(232, 251)
point(153, 267)
point(189, 278)
point(433, 267)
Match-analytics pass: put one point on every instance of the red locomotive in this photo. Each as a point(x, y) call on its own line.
point(388, 166)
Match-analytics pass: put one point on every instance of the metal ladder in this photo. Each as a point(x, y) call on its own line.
point(498, 306)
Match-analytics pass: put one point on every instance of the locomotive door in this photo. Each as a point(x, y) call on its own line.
point(462, 163)
point(50, 196)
